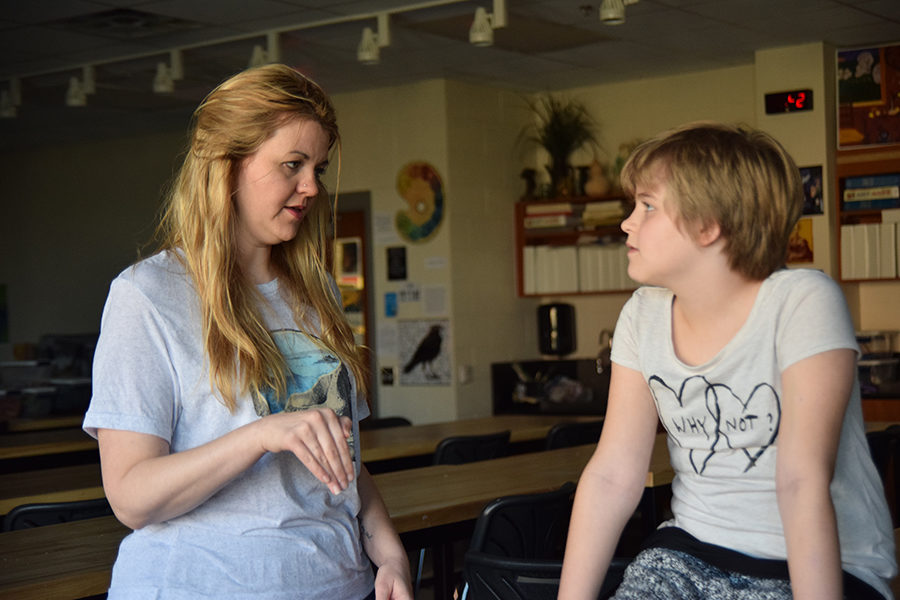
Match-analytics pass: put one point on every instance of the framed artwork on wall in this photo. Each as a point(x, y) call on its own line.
point(868, 91)
point(813, 203)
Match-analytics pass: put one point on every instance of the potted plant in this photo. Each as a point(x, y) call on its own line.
point(560, 126)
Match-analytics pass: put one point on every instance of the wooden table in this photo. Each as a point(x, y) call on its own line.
point(60, 484)
point(418, 440)
point(74, 559)
point(38, 443)
point(42, 423)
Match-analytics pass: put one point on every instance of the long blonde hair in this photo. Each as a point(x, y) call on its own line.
point(199, 222)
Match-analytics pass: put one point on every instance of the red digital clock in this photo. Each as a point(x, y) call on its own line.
point(793, 101)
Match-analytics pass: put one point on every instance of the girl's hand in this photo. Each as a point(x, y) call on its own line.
point(392, 582)
point(316, 436)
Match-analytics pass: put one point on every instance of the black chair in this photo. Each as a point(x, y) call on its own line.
point(884, 445)
point(461, 449)
point(383, 422)
point(492, 577)
point(517, 548)
point(54, 513)
point(566, 435)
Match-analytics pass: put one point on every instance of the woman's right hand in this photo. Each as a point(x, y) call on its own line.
point(318, 438)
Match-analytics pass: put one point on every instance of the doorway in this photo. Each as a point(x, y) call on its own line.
point(353, 272)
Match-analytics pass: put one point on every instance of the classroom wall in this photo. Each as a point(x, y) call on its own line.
point(491, 324)
point(74, 216)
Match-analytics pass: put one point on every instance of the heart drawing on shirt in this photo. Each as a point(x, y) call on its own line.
point(726, 420)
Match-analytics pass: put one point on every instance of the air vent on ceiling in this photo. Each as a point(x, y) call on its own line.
point(125, 24)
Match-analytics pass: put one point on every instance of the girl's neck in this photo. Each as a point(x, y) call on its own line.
point(706, 318)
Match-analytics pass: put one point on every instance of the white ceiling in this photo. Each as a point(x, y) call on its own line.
point(547, 45)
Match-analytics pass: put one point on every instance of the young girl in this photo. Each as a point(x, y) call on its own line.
point(751, 368)
point(225, 379)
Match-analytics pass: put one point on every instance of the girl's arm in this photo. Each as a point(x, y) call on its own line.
point(146, 484)
point(382, 544)
point(611, 484)
point(815, 395)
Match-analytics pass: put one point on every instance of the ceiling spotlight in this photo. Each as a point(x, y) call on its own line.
point(270, 54)
point(176, 65)
point(481, 33)
point(88, 80)
point(257, 57)
point(163, 82)
point(612, 12)
point(15, 91)
point(369, 50)
point(75, 95)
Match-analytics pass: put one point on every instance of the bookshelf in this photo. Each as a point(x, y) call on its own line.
point(571, 246)
point(868, 223)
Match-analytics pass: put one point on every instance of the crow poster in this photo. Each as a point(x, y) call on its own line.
point(424, 349)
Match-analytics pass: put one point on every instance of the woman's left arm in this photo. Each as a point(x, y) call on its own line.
point(815, 392)
point(382, 544)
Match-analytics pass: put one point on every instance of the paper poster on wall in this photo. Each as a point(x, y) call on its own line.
point(800, 244)
point(386, 339)
point(383, 231)
point(410, 293)
point(396, 263)
point(434, 300)
point(420, 186)
point(424, 351)
point(390, 304)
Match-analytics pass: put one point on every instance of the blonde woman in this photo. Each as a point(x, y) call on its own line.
point(225, 389)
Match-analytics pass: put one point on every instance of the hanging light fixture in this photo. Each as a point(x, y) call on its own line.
point(7, 107)
point(88, 80)
point(270, 54)
point(612, 12)
point(163, 82)
point(481, 33)
point(176, 65)
point(11, 99)
point(75, 95)
point(369, 50)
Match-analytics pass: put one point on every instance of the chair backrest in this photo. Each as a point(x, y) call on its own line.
point(566, 435)
point(54, 513)
point(457, 450)
point(526, 525)
point(492, 577)
point(383, 422)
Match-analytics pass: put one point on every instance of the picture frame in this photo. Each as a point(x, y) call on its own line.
point(813, 193)
point(348, 262)
point(868, 84)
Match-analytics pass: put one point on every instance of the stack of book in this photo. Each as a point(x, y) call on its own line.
point(872, 192)
point(552, 215)
point(602, 214)
point(870, 250)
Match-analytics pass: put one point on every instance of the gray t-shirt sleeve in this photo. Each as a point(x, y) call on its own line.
point(134, 380)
